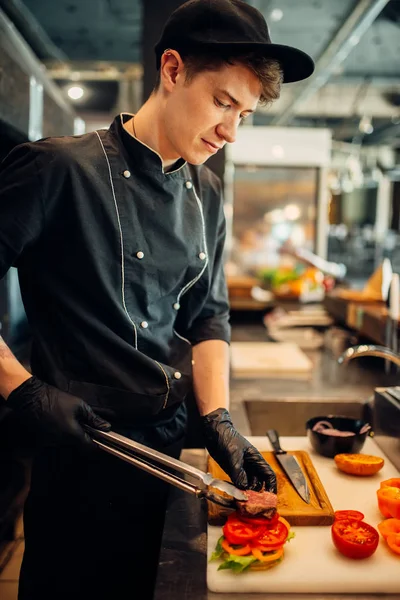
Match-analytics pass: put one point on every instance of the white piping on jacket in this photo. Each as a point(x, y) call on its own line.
point(146, 146)
point(121, 240)
point(187, 287)
point(123, 270)
point(193, 281)
point(182, 338)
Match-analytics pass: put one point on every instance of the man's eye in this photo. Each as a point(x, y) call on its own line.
point(220, 104)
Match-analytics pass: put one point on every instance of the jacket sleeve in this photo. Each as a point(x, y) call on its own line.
point(210, 318)
point(21, 205)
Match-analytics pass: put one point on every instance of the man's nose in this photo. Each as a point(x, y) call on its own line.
point(228, 129)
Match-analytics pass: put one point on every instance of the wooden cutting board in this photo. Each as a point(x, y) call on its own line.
point(269, 359)
point(290, 505)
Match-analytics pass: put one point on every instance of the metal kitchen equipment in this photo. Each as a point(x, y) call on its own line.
point(384, 407)
point(368, 350)
point(142, 456)
point(290, 465)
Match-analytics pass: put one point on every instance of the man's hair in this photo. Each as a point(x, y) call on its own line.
point(267, 70)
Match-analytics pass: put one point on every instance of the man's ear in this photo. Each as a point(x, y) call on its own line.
point(171, 67)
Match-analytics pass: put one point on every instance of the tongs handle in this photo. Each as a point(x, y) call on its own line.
point(141, 463)
point(153, 470)
point(123, 447)
point(115, 439)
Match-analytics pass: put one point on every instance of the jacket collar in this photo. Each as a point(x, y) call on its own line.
point(142, 155)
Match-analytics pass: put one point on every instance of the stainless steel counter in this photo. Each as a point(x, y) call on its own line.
point(183, 559)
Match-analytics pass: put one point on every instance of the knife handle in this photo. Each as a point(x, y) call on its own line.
point(274, 439)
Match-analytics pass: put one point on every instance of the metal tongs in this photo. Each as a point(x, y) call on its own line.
point(142, 456)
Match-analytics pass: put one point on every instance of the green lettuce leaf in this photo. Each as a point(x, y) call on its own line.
point(290, 536)
point(219, 551)
point(237, 563)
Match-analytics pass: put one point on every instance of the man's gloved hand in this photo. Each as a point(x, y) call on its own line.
point(237, 457)
point(53, 416)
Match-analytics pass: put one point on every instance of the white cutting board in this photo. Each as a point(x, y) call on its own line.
point(311, 563)
point(269, 359)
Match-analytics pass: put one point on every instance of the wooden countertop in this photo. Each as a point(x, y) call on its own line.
point(368, 318)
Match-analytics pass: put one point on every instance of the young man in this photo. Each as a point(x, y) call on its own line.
point(118, 238)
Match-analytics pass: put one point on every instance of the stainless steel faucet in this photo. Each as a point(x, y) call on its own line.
point(368, 350)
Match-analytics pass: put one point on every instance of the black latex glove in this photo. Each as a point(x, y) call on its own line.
point(237, 457)
point(52, 416)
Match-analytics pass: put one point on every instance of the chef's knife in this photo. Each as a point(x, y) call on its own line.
point(290, 465)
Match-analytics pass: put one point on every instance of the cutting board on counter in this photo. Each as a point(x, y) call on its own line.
point(269, 359)
point(311, 564)
point(290, 505)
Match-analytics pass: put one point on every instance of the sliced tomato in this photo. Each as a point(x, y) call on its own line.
point(238, 550)
point(237, 532)
point(349, 514)
point(269, 557)
point(393, 541)
point(394, 482)
point(354, 539)
point(389, 526)
point(389, 501)
point(265, 547)
point(283, 520)
point(273, 537)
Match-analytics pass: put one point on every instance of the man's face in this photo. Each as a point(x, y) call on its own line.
point(203, 115)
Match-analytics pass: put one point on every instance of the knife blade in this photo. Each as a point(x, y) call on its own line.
point(290, 465)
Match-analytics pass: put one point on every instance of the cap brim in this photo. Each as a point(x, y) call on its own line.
point(296, 65)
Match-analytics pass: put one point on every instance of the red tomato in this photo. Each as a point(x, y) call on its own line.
point(237, 532)
point(349, 514)
point(393, 541)
point(354, 539)
point(273, 537)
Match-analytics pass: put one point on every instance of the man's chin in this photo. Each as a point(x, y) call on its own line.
point(197, 160)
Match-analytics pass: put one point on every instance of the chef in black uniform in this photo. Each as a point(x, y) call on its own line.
point(118, 239)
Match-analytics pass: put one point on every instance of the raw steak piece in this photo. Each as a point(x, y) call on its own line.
point(258, 503)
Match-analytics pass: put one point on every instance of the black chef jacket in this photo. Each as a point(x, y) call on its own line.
point(120, 267)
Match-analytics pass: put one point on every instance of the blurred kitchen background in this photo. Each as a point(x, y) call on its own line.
point(312, 185)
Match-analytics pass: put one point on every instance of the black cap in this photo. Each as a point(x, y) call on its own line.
point(231, 25)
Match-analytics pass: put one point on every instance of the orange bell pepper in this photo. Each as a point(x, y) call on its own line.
point(271, 556)
point(389, 526)
point(394, 482)
point(389, 501)
point(242, 551)
point(393, 541)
